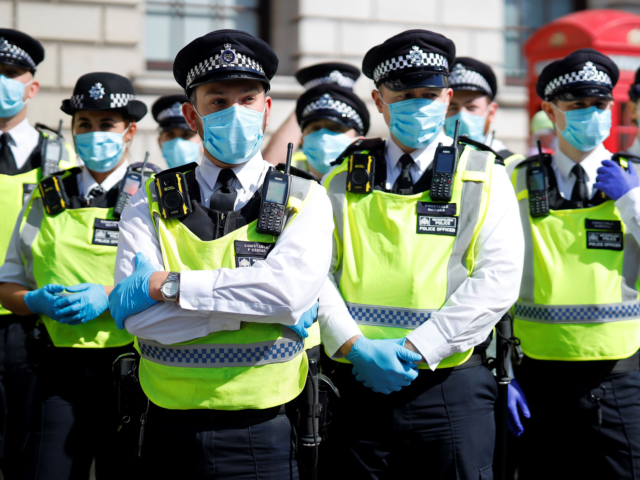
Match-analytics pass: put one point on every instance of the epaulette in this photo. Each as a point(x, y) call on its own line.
point(546, 158)
point(181, 168)
point(363, 144)
point(465, 140)
point(298, 173)
point(41, 127)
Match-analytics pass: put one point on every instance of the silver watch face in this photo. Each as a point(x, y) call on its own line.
point(170, 289)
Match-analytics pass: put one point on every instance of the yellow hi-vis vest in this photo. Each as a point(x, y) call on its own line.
point(400, 257)
point(512, 161)
point(72, 247)
point(579, 292)
point(14, 193)
point(256, 367)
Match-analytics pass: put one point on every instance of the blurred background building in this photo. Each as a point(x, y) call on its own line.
point(139, 39)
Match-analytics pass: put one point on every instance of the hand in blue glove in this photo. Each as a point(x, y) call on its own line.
point(383, 365)
point(614, 181)
point(516, 403)
point(42, 300)
point(131, 295)
point(306, 320)
point(88, 302)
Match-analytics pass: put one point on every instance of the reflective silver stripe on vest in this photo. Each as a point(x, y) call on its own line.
point(28, 234)
point(558, 314)
point(223, 356)
point(381, 316)
point(337, 196)
point(299, 189)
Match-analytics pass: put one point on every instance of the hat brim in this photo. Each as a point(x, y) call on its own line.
point(227, 76)
point(471, 88)
point(135, 109)
point(585, 91)
point(407, 81)
point(169, 126)
point(330, 115)
point(24, 65)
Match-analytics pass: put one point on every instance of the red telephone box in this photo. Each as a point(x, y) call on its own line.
point(613, 32)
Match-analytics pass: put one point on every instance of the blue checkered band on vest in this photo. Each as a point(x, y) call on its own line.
point(416, 58)
point(334, 77)
point(377, 316)
point(326, 102)
point(220, 356)
point(589, 74)
point(11, 52)
point(216, 62)
point(603, 313)
point(460, 76)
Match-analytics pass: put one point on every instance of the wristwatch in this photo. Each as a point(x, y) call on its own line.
point(170, 287)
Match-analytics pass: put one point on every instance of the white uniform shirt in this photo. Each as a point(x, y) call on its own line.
point(635, 147)
point(13, 268)
point(24, 139)
point(277, 290)
point(468, 316)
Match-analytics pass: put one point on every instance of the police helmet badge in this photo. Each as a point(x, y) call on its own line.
point(590, 72)
point(415, 55)
point(97, 91)
point(228, 55)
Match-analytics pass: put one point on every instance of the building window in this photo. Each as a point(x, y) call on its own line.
point(172, 24)
point(522, 18)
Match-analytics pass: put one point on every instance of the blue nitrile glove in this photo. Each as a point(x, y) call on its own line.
point(515, 402)
point(305, 322)
point(614, 181)
point(131, 295)
point(88, 301)
point(383, 365)
point(42, 300)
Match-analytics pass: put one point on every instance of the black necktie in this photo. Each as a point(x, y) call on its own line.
point(579, 193)
point(224, 198)
point(404, 181)
point(7, 161)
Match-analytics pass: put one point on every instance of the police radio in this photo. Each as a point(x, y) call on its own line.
point(51, 152)
point(53, 194)
point(444, 168)
point(129, 185)
point(538, 186)
point(275, 195)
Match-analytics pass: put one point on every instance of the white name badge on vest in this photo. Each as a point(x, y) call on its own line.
point(437, 218)
point(105, 232)
point(249, 253)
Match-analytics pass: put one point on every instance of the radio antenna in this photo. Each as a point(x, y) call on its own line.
point(144, 165)
point(287, 165)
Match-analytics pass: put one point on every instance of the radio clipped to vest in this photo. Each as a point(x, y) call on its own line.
point(132, 181)
point(54, 197)
point(173, 192)
point(445, 162)
point(52, 148)
point(275, 196)
point(538, 185)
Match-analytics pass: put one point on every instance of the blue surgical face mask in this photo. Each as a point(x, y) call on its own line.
point(323, 147)
point(100, 151)
point(470, 125)
point(416, 122)
point(179, 152)
point(11, 96)
point(233, 135)
point(586, 128)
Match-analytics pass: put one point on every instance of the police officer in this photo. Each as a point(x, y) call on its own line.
point(60, 265)
point(21, 162)
point(634, 113)
point(432, 276)
point(180, 145)
point(330, 118)
point(474, 91)
point(577, 315)
point(328, 73)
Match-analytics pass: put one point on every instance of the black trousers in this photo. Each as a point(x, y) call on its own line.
point(440, 427)
point(76, 420)
point(563, 438)
point(17, 396)
point(201, 444)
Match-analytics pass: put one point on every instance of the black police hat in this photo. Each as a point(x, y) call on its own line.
point(20, 49)
point(411, 59)
point(104, 91)
point(338, 73)
point(167, 111)
point(334, 103)
point(224, 55)
point(471, 74)
point(583, 73)
point(634, 91)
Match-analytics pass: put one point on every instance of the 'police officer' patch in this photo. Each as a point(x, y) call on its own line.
point(105, 232)
point(437, 225)
point(604, 241)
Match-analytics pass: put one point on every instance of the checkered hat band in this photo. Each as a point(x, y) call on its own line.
point(11, 52)
point(220, 356)
point(603, 313)
point(577, 77)
point(77, 101)
point(341, 109)
point(118, 100)
point(398, 63)
point(216, 62)
point(377, 316)
point(169, 113)
point(464, 77)
point(339, 79)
